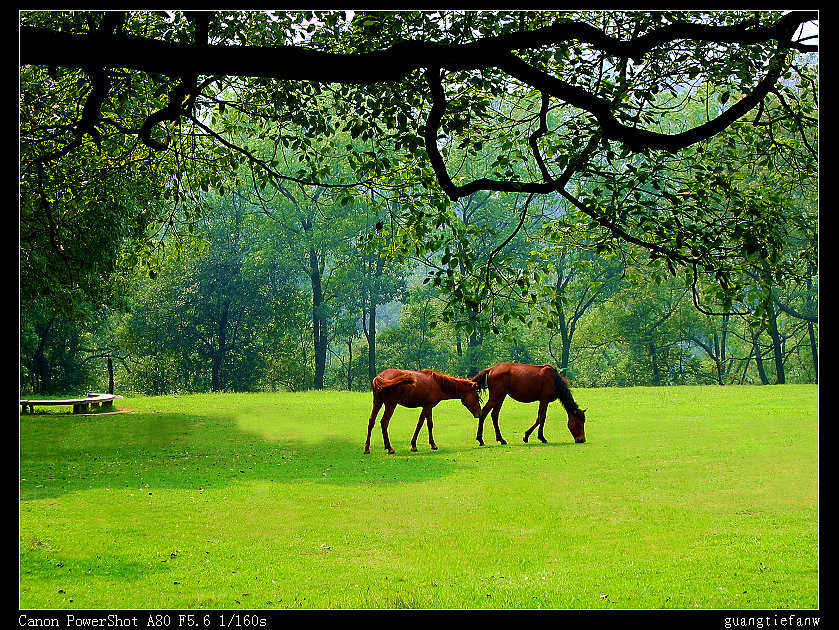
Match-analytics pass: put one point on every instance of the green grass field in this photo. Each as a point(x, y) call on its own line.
point(682, 497)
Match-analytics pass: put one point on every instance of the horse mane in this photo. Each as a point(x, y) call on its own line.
point(564, 393)
point(451, 384)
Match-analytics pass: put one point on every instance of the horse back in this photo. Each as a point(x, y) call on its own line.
point(523, 382)
point(409, 388)
point(390, 378)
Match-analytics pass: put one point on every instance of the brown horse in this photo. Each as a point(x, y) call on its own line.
point(412, 388)
point(528, 383)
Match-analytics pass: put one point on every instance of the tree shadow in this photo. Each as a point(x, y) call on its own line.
point(148, 451)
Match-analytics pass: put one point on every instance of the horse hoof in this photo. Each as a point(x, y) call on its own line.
point(391, 451)
point(543, 440)
point(480, 442)
point(502, 441)
point(525, 439)
point(366, 451)
point(414, 449)
point(433, 447)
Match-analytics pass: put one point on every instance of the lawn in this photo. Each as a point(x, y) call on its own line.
point(682, 497)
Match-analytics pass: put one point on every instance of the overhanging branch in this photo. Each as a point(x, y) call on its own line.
point(39, 46)
point(110, 47)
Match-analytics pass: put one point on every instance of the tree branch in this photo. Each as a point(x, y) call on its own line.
point(39, 46)
point(102, 49)
point(807, 317)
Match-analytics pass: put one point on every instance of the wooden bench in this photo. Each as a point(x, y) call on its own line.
point(79, 404)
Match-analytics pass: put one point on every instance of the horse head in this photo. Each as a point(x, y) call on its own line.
point(577, 424)
point(471, 402)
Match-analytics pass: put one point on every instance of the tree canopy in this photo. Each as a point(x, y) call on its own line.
point(685, 141)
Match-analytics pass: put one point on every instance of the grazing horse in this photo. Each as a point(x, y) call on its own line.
point(413, 388)
point(528, 383)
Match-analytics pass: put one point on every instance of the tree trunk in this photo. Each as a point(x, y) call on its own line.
point(214, 384)
point(716, 357)
point(373, 296)
point(721, 367)
point(319, 323)
point(349, 365)
point(746, 368)
point(761, 371)
point(471, 352)
point(42, 372)
point(565, 353)
point(371, 338)
point(110, 375)
point(656, 371)
point(218, 355)
point(814, 349)
point(473, 348)
point(777, 351)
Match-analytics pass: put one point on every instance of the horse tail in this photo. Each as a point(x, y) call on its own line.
point(481, 379)
point(380, 383)
point(563, 392)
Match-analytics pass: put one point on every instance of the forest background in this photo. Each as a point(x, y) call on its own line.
point(221, 250)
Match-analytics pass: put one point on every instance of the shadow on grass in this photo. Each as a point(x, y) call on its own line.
point(66, 454)
point(47, 564)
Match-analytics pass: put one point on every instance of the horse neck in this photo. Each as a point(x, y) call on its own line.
point(563, 392)
point(452, 387)
point(570, 405)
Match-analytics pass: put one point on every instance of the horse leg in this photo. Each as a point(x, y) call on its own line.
point(389, 408)
point(484, 412)
point(430, 427)
point(377, 404)
point(530, 430)
point(543, 413)
point(540, 422)
point(416, 433)
point(495, 413)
